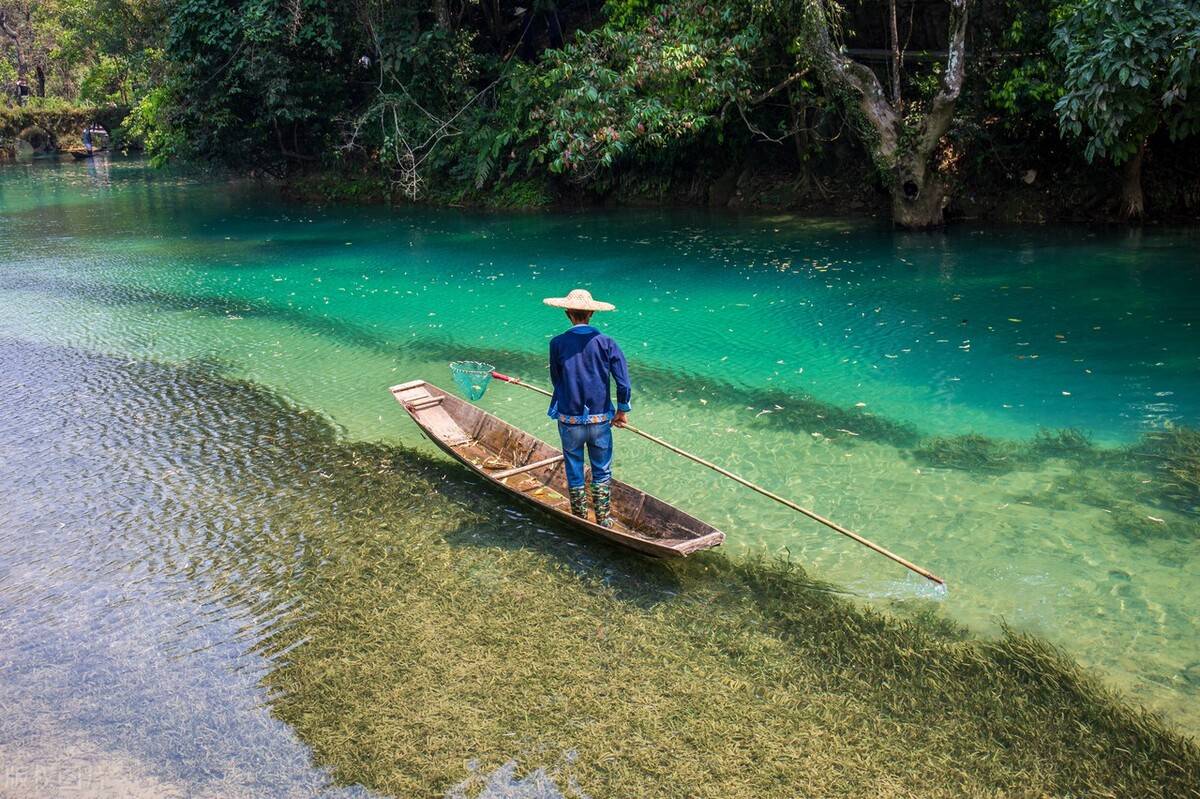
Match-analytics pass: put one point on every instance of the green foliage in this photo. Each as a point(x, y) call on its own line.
point(86, 50)
point(106, 81)
point(1129, 66)
point(644, 89)
point(626, 14)
point(118, 44)
point(456, 99)
point(426, 93)
point(518, 194)
point(57, 104)
point(8, 72)
point(150, 122)
point(615, 92)
point(1026, 86)
point(252, 82)
point(338, 186)
point(521, 194)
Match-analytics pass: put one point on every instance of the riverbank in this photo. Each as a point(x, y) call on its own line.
point(1014, 186)
point(1004, 184)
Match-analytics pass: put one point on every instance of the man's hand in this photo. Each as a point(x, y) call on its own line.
point(619, 419)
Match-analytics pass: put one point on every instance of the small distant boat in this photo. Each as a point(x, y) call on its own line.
point(80, 155)
point(531, 470)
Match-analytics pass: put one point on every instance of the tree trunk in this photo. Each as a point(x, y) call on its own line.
point(918, 194)
point(41, 81)
point(799, 132)
point(441, 13)
point(1133, 205)
point(903, 154)
point(11, 33)
point(896, 59)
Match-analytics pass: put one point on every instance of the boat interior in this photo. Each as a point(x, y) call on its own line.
point(528, 466)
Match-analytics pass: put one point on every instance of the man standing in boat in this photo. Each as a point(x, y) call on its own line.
point(581, 362)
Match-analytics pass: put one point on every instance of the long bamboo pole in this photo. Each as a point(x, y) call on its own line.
point(754, 487)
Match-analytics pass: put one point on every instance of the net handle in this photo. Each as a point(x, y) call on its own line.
point(519, 382)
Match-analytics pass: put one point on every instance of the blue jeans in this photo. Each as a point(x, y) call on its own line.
point(598, 438)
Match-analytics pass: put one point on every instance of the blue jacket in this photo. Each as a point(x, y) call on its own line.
point(581, 361)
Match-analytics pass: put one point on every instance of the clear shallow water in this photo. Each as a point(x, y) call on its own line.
point(812, 356)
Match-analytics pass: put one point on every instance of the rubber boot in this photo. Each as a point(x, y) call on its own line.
point(578, 497)
point(602, 503)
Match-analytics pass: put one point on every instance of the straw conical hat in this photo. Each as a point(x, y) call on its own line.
point(579, 300)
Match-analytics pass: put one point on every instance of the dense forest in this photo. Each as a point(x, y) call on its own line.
point(924, 105)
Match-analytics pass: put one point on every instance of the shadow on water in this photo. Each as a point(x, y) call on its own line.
point(1159, 473)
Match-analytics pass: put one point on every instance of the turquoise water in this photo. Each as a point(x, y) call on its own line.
point(817, 357)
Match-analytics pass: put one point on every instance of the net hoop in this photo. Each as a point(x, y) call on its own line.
point(471, 377)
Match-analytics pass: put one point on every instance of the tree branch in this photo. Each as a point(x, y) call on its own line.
point(12, 34)
point(897, 61)
point(838, 70)
point(777, 88)
point(941, 112)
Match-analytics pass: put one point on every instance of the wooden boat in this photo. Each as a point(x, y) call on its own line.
point(80, 155)
point(532, 470)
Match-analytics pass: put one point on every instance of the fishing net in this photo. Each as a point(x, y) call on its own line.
point(472, 377)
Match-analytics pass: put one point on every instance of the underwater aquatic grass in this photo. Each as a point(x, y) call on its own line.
point(973, 453)
point(1174, 454)
point(415, 623)
point(418, 632)
point(1063, 443)
point(1160, 471)
point(439, 635)
point(1133, 522)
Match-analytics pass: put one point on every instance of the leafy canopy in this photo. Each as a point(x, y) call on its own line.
point(1130, 67)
